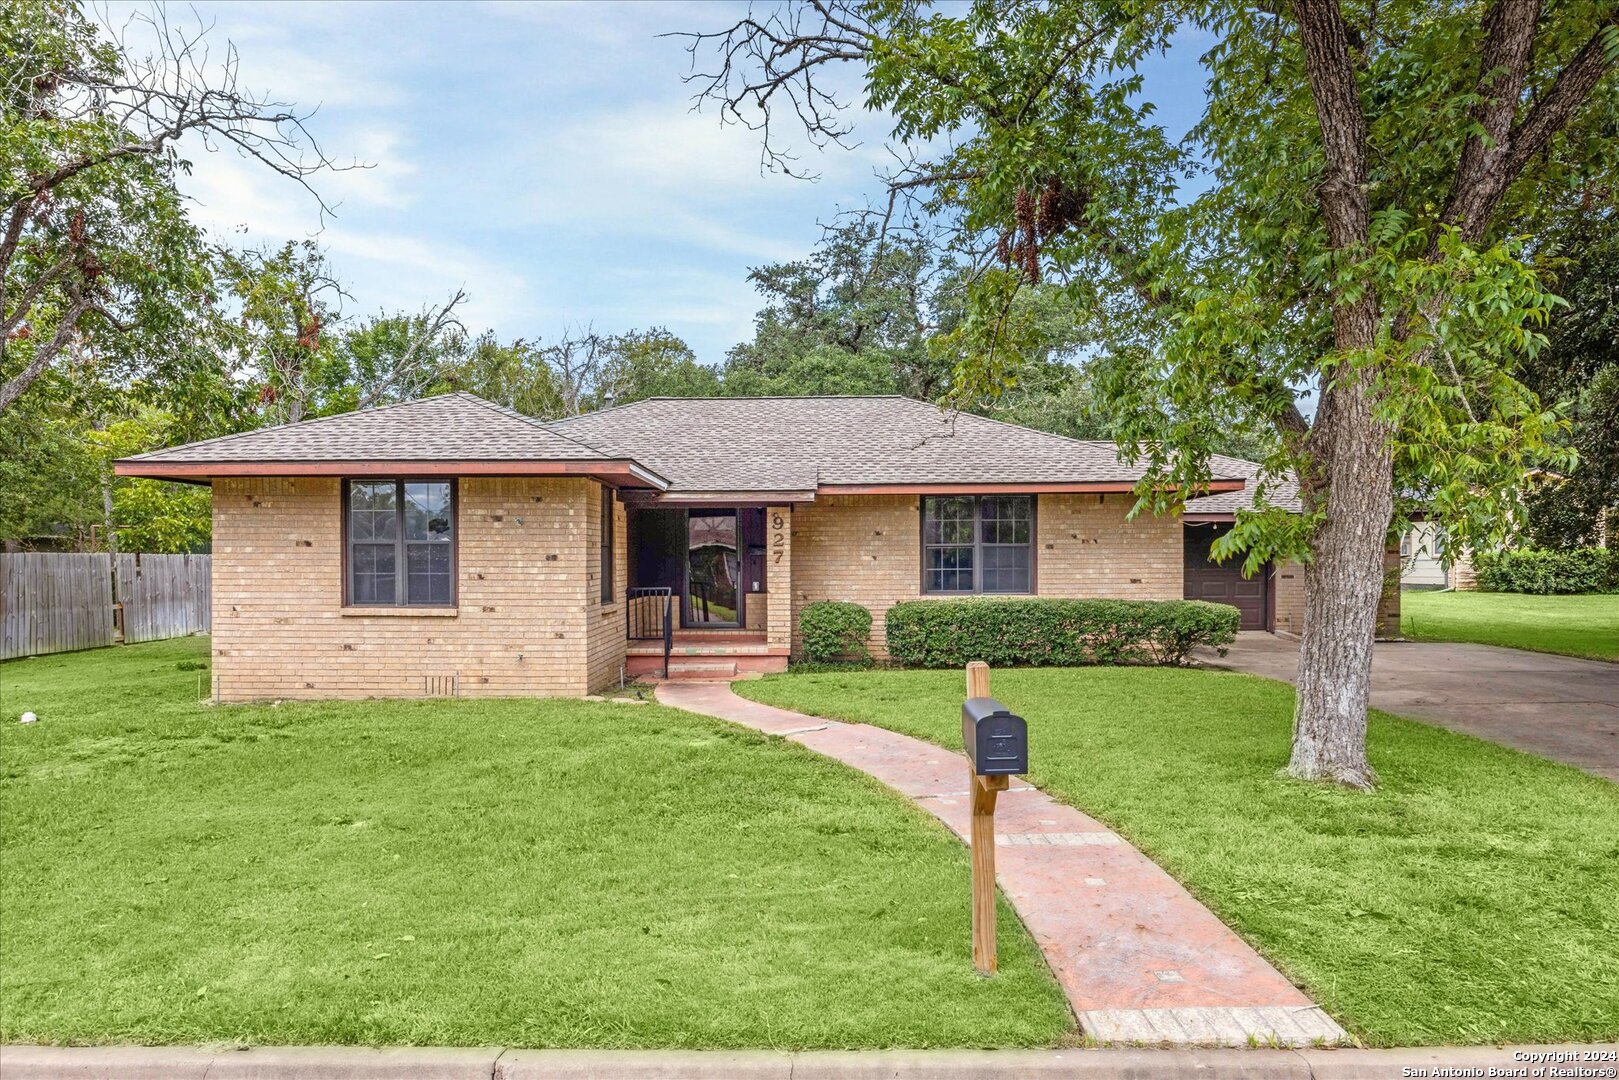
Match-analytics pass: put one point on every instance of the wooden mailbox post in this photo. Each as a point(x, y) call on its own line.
point(997, 747)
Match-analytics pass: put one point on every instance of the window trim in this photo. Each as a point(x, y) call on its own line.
point(606, 555)
point(978, 542)
point(402, 558)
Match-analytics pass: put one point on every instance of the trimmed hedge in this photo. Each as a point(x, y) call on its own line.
point(1055, 633)
point(1535, 570)
point(832, 630)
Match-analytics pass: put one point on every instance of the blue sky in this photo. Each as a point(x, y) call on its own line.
point(543, 156)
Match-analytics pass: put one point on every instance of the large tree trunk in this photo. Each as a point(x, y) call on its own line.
point(1351, 453)
point(1343, 583)
point(1342, 586)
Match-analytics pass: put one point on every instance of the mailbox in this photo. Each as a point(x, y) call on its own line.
point(997, 741)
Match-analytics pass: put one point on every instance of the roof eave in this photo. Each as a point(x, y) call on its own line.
point(678, 497)
point(1103, 487)
point(621, 472)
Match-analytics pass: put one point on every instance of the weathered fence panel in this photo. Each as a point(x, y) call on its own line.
point(164, 596)
point(54, 602)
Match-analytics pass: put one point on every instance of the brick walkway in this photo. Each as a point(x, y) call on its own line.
point(1140, 960)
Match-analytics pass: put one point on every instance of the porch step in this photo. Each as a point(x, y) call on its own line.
point(706, 648)
point(645, 665)
point(703, 669)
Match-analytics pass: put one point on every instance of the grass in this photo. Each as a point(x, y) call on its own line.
point(1570, 625)
point(1471, 899)
point(527, 873)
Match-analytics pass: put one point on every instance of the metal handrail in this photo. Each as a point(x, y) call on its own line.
point(645, 622)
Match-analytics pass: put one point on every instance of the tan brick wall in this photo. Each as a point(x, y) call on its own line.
point(523, 626)
point(867, 549)
point(1088, 547)
point(1388, 605)
point(861, 548)
point(780, 616)
point(606, 621)
point(1287, 597)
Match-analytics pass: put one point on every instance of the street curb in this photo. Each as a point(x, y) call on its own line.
point(493, 1063)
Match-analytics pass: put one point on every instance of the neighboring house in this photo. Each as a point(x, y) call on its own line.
point(1424, 563)
point(453, 547)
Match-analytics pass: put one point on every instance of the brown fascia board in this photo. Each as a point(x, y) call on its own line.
point(618, 472)
point(718, 498)
point(1054, 488)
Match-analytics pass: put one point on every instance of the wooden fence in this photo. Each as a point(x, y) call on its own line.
point(57, 602)
point(164, 596)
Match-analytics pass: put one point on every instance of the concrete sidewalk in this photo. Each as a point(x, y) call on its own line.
point(1559, 707)
point(494, 1063)
point(1140, 960)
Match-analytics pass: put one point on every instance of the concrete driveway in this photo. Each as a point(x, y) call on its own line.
point(1555, 706)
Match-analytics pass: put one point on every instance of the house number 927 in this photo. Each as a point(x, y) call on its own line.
point(778, 537)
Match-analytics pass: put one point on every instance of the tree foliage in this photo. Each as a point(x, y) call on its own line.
point(1579, 372)
point(1367, 232)
point(95, 245)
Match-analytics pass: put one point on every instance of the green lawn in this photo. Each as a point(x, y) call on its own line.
point(521, 872)
point(1570, 625)
point(1471, 899)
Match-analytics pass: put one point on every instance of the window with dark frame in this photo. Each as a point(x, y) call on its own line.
point(607, 545)
point(978, 544)
point(401, 542)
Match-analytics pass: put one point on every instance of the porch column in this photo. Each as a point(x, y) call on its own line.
point(779, 574)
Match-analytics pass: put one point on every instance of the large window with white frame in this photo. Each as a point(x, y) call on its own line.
point(399, 543)
point(977, 544)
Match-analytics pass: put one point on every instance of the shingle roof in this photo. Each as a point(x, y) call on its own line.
point(771, 444)
point(1282, 493)
point(801, 443)
point(450, 427)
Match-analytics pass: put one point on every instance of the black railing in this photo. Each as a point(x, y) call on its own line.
point(649, 614)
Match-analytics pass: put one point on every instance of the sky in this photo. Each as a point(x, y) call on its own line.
point(544, 157)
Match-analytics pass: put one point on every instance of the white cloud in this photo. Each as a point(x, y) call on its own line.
point(653, 171)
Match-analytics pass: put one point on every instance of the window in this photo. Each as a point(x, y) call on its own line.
point(978, 544)
point(607, 544)
point(400, 542)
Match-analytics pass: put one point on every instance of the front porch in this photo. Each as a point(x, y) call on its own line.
point(709, 590)
point(706, 654)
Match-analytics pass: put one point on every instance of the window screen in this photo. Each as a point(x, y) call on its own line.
point(401, 542)
point(978, 544)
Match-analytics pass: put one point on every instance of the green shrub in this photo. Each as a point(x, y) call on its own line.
point(832, 630)
point(1535, 570)
point(1055, 633)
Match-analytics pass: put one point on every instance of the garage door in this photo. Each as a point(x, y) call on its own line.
point(1223, 583)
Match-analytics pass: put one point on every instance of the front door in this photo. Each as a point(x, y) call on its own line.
point(713, 570)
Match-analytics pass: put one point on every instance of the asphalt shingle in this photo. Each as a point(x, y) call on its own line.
point(1283, 493)
point(800, 443)
point(450, 427)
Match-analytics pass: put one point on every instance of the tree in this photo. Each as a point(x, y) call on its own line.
point(94, 238)
point(513, 375)
point(291, 340)
point(1579, 369)
point(652, 363)
point(1367, 231)
point(855, 316)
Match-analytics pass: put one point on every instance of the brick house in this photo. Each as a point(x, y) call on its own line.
point(450, 546)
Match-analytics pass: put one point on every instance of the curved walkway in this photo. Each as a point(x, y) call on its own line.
point(1140, 960)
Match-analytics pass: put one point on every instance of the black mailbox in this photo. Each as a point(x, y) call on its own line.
point(997, 741)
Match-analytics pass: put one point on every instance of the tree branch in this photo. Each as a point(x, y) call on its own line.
point(18, 385)
point(440, 320)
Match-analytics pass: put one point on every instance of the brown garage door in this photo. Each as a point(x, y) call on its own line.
point(1223, 583)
